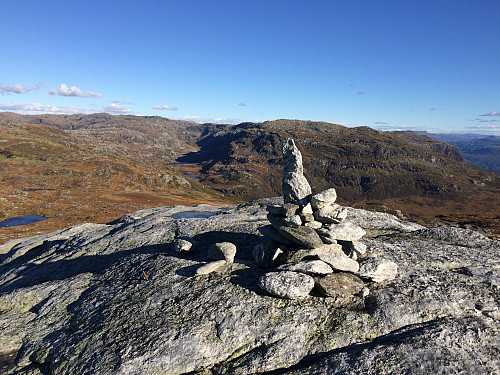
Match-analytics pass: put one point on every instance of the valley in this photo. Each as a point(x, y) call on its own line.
point(96, 168)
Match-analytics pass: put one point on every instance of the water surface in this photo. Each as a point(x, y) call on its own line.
point(20, 220)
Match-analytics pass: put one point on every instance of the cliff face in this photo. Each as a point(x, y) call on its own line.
point(118, 298)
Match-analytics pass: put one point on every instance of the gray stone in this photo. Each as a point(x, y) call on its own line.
point(182, 245)
point(341, 285)
point(266, 253)
point(323, 199)
point(275, 209)
point(210, 267)
point(306, 218)
point(295, 186)
point(340, 262)
point(331, 214)
point(222, 250)
point(342, 232)
point(303, 236)
point(289, 209)
point(377, 269)
point(287, 284)
point(271, 233)
point(310, 267)
point(313, 224)
point(307, 209)
point(76, 302)
point(293, 221)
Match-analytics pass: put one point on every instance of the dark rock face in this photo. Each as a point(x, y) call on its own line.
point(120, 299)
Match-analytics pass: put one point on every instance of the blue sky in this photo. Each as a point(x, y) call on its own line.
point(420, 65)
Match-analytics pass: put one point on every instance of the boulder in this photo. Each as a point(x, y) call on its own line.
point(182, 245)
point(222, 250)
point(287, 284)
point(293, 221)
point(271, 233)
point(340, 262)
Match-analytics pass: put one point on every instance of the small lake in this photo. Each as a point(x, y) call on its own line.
point(191, 176)
point(20, 220)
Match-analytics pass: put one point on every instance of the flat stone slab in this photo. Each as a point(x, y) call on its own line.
point(287, 284)
point(303, 236)
point(340, 262)
point(342, 232)
point(310, 267)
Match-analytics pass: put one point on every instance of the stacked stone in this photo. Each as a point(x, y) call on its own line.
point(323, 246)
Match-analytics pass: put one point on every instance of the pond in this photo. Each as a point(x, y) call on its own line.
point(20, 220)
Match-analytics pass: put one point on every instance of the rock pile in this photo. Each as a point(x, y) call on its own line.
point(323, 248)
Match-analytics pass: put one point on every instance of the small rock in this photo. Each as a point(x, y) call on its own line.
point(356, 246)
point(293, 221)
point(313, 224)
point(287, 284)
point(289, 209)
point(377, 269)
point(306, 218)
point(323, 199)
point(307, 209)
point(275, 210)
point(340, 262)
point(181, 245)
point(210, 267)
point(310, 267)
point(342, 232)
point(331, 214)
point(222, 250)
point(339, 285)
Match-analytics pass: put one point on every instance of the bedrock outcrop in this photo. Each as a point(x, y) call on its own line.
point(120, 298)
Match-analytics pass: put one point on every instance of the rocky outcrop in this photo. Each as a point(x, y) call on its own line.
point(121, 299)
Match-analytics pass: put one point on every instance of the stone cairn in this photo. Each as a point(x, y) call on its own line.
point(316, 246)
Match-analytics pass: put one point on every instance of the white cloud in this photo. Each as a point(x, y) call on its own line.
point(37, 108)
point(64, 90)
point(121, 101)
point(16, 88)
point(115, 109)
point(491, 114)
point(165, 107)
point(485, 129)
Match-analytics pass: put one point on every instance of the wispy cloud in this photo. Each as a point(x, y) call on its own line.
point(380, 123)
point(115, 109)
point(37, 108)
point(361, 93)
point(491, 114)
point(16, 88)
point(165, 108)
point(432, 109)
point(64, 90)
point(121, 101)
point(242, 104)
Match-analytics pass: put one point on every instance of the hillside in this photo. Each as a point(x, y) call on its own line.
point(48, 172)
point(478, 149)
point(426, 180)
